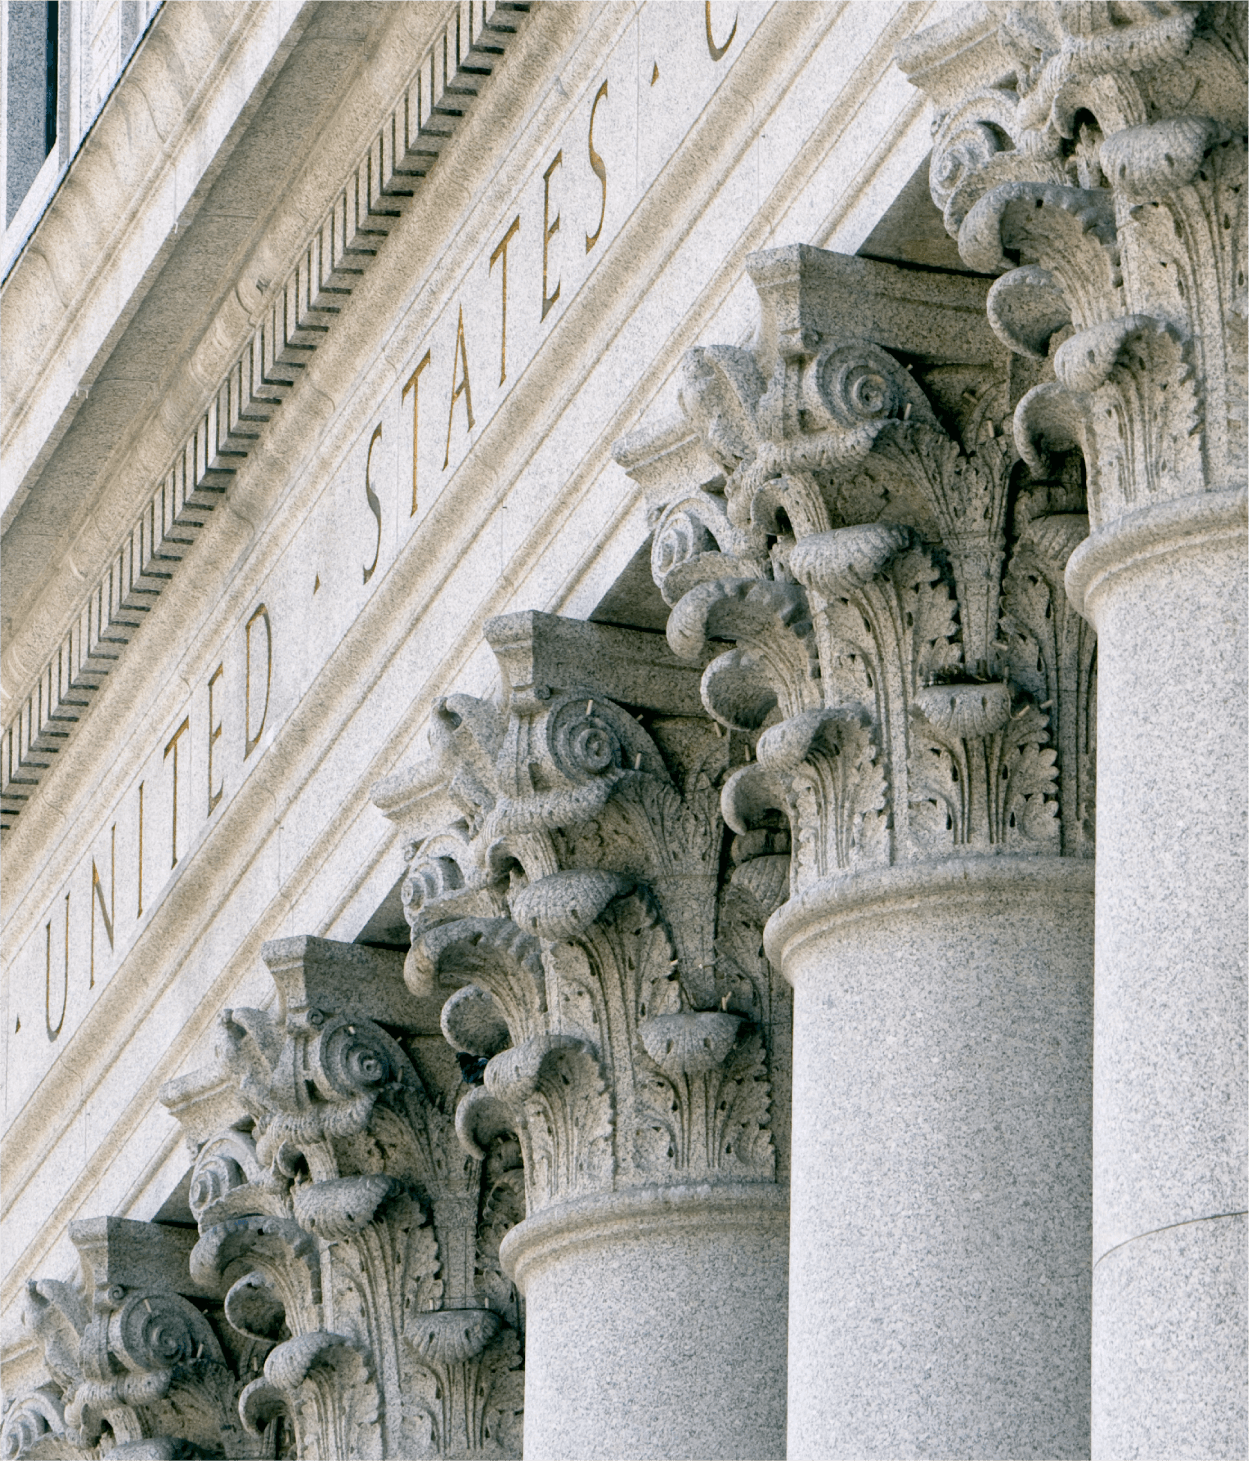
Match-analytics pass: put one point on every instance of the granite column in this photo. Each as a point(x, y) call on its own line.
point(940, 1200)
point(1107, 189)
point(1166, 588)
point(605, 988)
point(655, 1323)
point(912, 698)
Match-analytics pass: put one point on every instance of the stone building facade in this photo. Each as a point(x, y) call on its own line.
point(624, 684)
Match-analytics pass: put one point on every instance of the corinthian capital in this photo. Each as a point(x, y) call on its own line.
point(887, 571)
point(565, 899)
point(1094, 157)
point(134, 1367)
point(350, 1241)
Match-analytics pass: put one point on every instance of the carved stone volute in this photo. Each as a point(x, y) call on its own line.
point(565, 900)
point(341, 1293)
point(135, 1363)
point(1094, 156)
point(339, 1219)
point(888, 574)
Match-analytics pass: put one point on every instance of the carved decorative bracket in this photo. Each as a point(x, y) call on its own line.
point(1094, 156)
point(566, 899)
point(887, 573)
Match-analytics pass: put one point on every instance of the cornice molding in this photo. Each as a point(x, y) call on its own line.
point(135, 182)
point(295, 321)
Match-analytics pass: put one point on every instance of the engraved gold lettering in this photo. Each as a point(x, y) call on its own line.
point(173, 746)
point(97, 900)
point(414, 386)
point(500, 252)
point(47, 978)
point(250, 741)
point(462, 389)
point(549, 230)
point(214, 735)
point(599, 169)
point(375, 507)
point(717, 51)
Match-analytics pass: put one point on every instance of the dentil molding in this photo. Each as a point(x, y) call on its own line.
point(294, 322)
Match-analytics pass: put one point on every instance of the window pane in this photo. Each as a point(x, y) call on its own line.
point(31, 119)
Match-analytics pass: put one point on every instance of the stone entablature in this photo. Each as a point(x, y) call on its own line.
point(294, 844)
point(289, 325)
point(889, 573)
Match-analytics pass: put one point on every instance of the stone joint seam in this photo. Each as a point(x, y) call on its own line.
point(1213, 1217)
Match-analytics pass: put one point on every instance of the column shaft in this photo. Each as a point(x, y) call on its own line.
point(939, 1270)
point(1166, 591)
point(655, 1324)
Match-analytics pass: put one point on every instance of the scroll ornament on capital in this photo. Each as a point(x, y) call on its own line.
point(345, 1292)
point(890, 579)
point(600, 976)
point(1104, 181)
point(135, 1371)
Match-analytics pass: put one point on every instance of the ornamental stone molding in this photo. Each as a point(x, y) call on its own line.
point(890, 576)
point(282, 331)
point(342, 1295)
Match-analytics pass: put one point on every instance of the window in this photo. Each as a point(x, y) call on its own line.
point(30, 120)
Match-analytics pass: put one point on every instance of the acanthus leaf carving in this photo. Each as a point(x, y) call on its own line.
point(1052, 654)
point(604, 848)
point(132, 1370)
point(1107, 180)
point(343, 1221)
point(870, 656)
